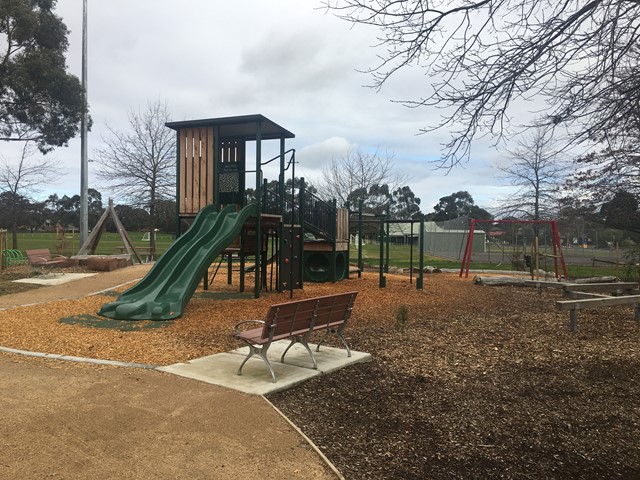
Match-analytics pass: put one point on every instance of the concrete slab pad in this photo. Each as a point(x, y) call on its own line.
point(221, 369)
point(55, 278)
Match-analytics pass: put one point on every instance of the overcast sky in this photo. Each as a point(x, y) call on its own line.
point(288, 60)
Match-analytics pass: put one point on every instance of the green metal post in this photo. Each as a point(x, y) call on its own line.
point(348, 207)
point(360, 265)
point(301, 213)
point(258, 285)
point(420, 280)
point(386, 264)
point(411, 255)
point(334, 234)
point(281, 206)
point(383, 280)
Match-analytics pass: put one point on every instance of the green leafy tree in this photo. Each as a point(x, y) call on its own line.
point(622, 212)
point(65, 210)
point(39, 100)
point(376, 199)
point(404, 203)
point(458, 204)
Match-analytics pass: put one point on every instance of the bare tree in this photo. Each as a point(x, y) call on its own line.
point(139, 165)
point(482, 57)
point(536, 168)
point(614, 168)
point(21, 180)
point(358, 171)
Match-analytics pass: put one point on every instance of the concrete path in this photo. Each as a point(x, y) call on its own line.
point(221, 369)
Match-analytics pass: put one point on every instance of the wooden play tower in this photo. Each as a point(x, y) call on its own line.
point(212, 168)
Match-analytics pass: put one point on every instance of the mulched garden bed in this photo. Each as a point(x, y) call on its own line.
point(475, 382)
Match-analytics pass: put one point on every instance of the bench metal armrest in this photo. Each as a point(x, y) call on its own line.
point(237, 328)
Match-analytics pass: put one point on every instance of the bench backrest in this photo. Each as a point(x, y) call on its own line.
point(39, 255)
point(298, 317)
point(334, 310)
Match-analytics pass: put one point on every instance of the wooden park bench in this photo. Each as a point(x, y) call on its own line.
point(297, 321)
point(44, 258)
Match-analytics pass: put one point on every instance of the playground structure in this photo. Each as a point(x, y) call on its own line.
point(287, 227)
point(383, 226)
point(90, 245)
point(534, 258)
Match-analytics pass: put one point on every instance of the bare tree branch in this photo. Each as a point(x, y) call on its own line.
point(358, 170)
point(139, 165)
point(483, 58)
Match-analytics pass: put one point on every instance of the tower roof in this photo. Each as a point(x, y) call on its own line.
point(243, 126)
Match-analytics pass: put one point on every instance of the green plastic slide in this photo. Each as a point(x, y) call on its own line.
point(165, 291)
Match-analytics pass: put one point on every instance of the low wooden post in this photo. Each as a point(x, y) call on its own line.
point(573, 320)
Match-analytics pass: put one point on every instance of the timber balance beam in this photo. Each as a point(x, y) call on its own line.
point(588, 303)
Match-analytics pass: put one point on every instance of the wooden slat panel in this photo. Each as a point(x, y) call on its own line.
point(210, 165)
point(196, 170)
point(342, 227)
point(182, 171)
point(189, 172)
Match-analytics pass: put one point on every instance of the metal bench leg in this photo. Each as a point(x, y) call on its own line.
point(262, 353)
point(340, 333)
point(305, 343)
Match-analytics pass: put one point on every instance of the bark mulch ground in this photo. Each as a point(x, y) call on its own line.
point(472, 382)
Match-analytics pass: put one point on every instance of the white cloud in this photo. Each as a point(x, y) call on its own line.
point(287, 60)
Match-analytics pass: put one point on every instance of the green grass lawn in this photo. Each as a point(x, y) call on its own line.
point(108, 245)
point(400, 256)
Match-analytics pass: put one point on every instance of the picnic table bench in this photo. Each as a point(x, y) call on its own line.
point(44, 258)
point(297, 321)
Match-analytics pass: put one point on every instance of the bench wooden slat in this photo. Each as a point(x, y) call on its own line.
point(43, 257)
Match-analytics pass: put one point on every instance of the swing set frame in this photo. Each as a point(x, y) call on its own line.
point(555, 238)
